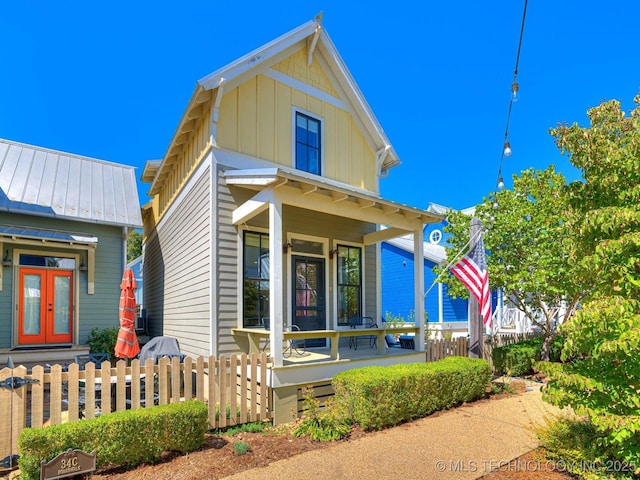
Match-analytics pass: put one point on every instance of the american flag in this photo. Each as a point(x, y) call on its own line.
point(472, 271)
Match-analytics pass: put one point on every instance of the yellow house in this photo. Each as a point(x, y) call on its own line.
point(266, 217)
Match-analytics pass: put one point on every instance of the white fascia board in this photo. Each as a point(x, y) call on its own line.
point(356, 97)
point(389, 209)
point(253, 177)
point(259, 55)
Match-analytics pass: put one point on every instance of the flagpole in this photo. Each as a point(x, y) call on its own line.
point(455, 259)
point(475, 321)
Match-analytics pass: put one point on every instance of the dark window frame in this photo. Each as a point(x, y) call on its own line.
point(260, 281)
point(343, 284)
point(302, 163)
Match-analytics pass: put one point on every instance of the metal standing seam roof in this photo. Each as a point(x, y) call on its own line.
point(43, 182)
point(432, 252)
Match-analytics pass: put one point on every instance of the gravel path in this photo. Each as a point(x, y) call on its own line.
point(463, 443)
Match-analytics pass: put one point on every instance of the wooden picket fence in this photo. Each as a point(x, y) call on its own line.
point(437, 349)
point(235, 389)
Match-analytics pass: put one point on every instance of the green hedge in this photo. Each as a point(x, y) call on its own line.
point(518, 358)
point(378, 397)
point(126, 438)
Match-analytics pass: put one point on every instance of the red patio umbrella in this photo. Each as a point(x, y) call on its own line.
point(127, 343)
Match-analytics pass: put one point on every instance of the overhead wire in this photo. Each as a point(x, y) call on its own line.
point(514, 85)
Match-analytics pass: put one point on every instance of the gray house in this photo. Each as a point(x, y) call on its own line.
point(64, 222)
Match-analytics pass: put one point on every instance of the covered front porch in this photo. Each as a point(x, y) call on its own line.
point(317, 226)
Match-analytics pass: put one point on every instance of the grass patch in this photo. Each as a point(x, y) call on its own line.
point(252, 427)
point(240, 448)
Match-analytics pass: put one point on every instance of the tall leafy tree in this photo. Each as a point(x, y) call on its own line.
point(601, 376)
point(134, 245)
point(529, 249)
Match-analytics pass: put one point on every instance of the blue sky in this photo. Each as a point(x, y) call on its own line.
point(111, 80)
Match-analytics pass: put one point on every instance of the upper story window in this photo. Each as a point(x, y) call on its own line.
point(308, 143)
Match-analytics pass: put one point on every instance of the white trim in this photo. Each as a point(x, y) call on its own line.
point(418, 283)
point(306, 88)
point(187, 187)
point(276, 281)
point(213, 253)
point(240, 268)
point(294, 111)
point(432, 236)
point(324, 256)
point(245, 165)
point(334, 281)
point(259, 56)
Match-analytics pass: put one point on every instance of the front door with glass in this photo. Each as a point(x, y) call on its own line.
point(45, 306)
point(309, 308)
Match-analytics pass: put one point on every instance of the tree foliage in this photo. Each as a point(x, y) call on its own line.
point(529, 249)
point(601, 376)
point(134, 246)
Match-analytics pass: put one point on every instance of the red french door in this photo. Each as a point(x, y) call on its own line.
point(46, 306)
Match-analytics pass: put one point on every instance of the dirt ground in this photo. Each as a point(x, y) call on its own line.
point(217, 459)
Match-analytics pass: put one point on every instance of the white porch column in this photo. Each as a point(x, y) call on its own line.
point(418, 282)
point(276, 283)
point(440, 303)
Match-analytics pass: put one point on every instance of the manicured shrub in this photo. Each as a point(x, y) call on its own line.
point(103, 341)
point(121, 438)
point(378, 397)
point(519, 358)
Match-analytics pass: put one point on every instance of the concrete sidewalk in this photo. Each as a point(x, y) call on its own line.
point(462, 443)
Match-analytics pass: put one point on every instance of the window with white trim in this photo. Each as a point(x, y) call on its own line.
point(349, 287)
point(308, 154)
point(255, 259)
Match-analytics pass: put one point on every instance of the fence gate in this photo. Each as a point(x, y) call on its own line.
point(13, 411)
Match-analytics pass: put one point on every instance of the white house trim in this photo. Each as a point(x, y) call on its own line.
point(294, 111)
point(305, 88)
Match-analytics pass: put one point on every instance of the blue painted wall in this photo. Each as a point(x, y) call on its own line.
point(397, 288)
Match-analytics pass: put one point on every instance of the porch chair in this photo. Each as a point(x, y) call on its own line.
point(83, 360)
point(95, 358)
point(362, 322)
point(295, 345)
point(391, 341)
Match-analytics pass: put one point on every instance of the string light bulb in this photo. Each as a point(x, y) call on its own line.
point(500, 183)
point(507, 149)
point(515, 92)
